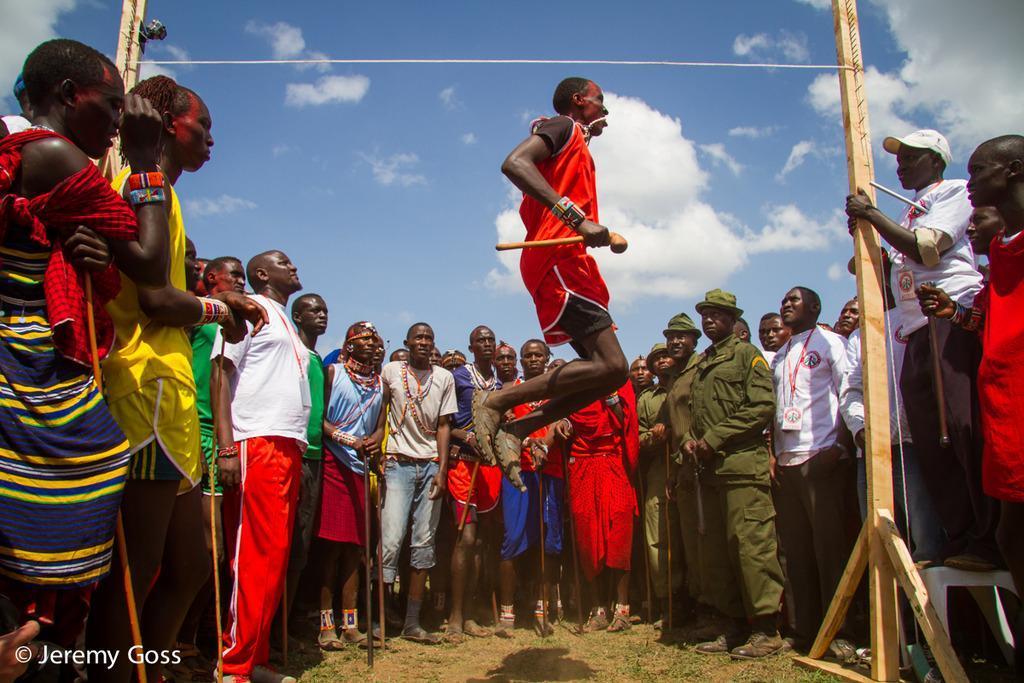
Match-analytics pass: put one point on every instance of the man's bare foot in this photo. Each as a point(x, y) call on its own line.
point(351, 635)
point(485, 425)
point(329, 642)
point(471, 628)
point(454, 634)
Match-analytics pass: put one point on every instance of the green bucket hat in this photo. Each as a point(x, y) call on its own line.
point(681, 323)
point(656, 350)
point(718, 298)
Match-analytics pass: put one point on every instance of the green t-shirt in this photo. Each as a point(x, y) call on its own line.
point(202, 348)
point(315, 430)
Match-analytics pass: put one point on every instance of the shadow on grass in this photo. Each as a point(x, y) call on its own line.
point(538, 664)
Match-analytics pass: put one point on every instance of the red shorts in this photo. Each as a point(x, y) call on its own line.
point(487, 489)
point(572, 301)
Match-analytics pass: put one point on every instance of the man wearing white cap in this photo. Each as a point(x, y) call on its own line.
point(932, 246)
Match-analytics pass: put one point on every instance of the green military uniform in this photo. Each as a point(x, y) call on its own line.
point(655, 469)
point(732, 401)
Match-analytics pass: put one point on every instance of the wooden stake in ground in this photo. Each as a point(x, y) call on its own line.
point(380, 561)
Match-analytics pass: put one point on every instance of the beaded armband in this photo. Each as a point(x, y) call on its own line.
point(139, 181)
point(567, 212)
point(968, 318)
point(227, 452)
point(214, 311)
point(147, 195)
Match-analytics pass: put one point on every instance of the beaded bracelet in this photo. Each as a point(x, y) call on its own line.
point(340, 437)
point(967, 317)
point(214, 311)
point(138, 181)
point(147, 195)
point(567, 212)
point(227, 452)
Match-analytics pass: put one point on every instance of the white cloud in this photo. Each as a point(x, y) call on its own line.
point(752, 132)
point(721, 157)
point(679, 245)
point(963, 80)
point(837, 272)
point(215, 206)
point(327, 90)
point(395, 169)
point(818, 4)
point(24, 26)
point(788, 46)
point(448, 98)
point(468, 139)
point(796, 158)
point(286, 41)
point(280, 150)
point(790, 229)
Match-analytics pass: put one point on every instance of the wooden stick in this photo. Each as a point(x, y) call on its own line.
point(472, 484)
point(916, 592)
point(618, 243)
point(668, 537)
point(369, 564)
point(937, 382)
point(122, 543)
point(380, 561)
point(543, 574)
point(284, 625)
point(575, 551)
point(647, 560)
point(845, 591)
point(213, 515)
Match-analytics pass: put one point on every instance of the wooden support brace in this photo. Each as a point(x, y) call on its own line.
point(837, 670)
point(845, 591)
point(913, 586)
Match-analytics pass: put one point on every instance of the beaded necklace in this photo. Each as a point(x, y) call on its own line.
point(361, 373)
point(478, 380)
point(412, 401)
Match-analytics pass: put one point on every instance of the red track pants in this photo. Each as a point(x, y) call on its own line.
point(258, 519)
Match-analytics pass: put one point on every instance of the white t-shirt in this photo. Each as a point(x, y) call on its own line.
point(807, 373)
point(270, 386)
point(851, 395)
point(16, 124)
point(418, 400)
point(948, 211)
point(769, 356)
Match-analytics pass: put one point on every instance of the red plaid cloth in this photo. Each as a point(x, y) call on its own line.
point(84, 198)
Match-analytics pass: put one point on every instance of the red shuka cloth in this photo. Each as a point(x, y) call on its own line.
point(602, 501)
point(571, 174)
point(84, 198)
point(1001, 373)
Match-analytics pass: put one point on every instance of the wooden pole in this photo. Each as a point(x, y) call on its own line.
point(543, 547)
point(472, 486)
point(884, 621)
point(213, 513)
point(369, 563)
point(647, 560)
point(132, 14)
point(380, 560)
point(668, 538)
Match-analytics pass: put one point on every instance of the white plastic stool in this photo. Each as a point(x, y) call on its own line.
point(984, 588)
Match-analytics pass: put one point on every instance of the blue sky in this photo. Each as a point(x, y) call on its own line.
point(382, 182)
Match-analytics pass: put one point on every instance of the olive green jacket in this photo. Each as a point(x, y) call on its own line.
point(732, 401)
point(650, 410)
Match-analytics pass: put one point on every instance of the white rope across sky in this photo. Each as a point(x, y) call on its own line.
point(607, 62)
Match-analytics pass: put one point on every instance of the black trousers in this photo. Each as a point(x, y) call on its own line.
point(951, 474)
point(811, 521)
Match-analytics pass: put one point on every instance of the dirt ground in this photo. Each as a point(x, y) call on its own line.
point(637, 655)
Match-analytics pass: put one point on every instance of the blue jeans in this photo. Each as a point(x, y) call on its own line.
point(407, 488)
point(925, 528)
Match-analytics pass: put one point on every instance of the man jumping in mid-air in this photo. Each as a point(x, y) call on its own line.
point(555, 171)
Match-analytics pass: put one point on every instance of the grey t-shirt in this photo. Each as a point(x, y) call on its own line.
point(418, 400)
